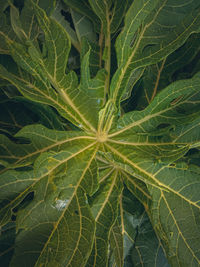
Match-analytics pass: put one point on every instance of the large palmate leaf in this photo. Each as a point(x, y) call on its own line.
point(85, 180)
point(178, 103)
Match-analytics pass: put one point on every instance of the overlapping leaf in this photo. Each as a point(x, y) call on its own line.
point(19, 113)
point(139, 244)
point(157, 77)
point(104, 208)
point(174, 192)
point(110, 13)
point(52, 68)
point(24, 24)
point(175, 212)
point(40, 139)
point(84, 8)
point(61, 20)
point(67, 198)
point(149, 36)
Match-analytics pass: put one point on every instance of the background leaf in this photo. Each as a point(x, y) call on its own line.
point(140, 245)
point(157, 77)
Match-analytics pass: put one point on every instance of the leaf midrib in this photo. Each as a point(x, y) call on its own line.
point(107, 196)
point(124, 41)
point(175, 222)
point(69, 202)
point(49, 147)
point(47, 173)
point(146, 143)
point(147, 117)
point(53, 80)
point(160, 186)
point(137, 186)
point(59, 90)
point(153, 54)
point(133, 52)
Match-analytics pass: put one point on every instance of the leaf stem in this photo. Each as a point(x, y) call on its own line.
point(157, 80)
point(101, 36)
point(108, 55)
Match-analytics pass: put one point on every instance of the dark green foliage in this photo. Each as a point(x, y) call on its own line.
point(100, 133)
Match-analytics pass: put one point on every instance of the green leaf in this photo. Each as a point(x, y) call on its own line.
point(16, 23)
point(137, 187)
point(149, 36)
point(84, 8)
point(93, 87)
point(117, 14)
point(188, 133)
point(169, 213)
point(133, 239)
point(24, 24)
point(68, 197)
point(7, 239)
point(158, 76)
point(66, 25)
point(110, 13)
point(104, 209)
point(83, 180)
point(20, 112)
point(169, 108)
point(56, 61)
point(48, 6)
point(94, 56)
point(5, 30)
point(51, 68)
point(83, 26)
point(101, 8)
point(116, 243)
point(41, 140)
